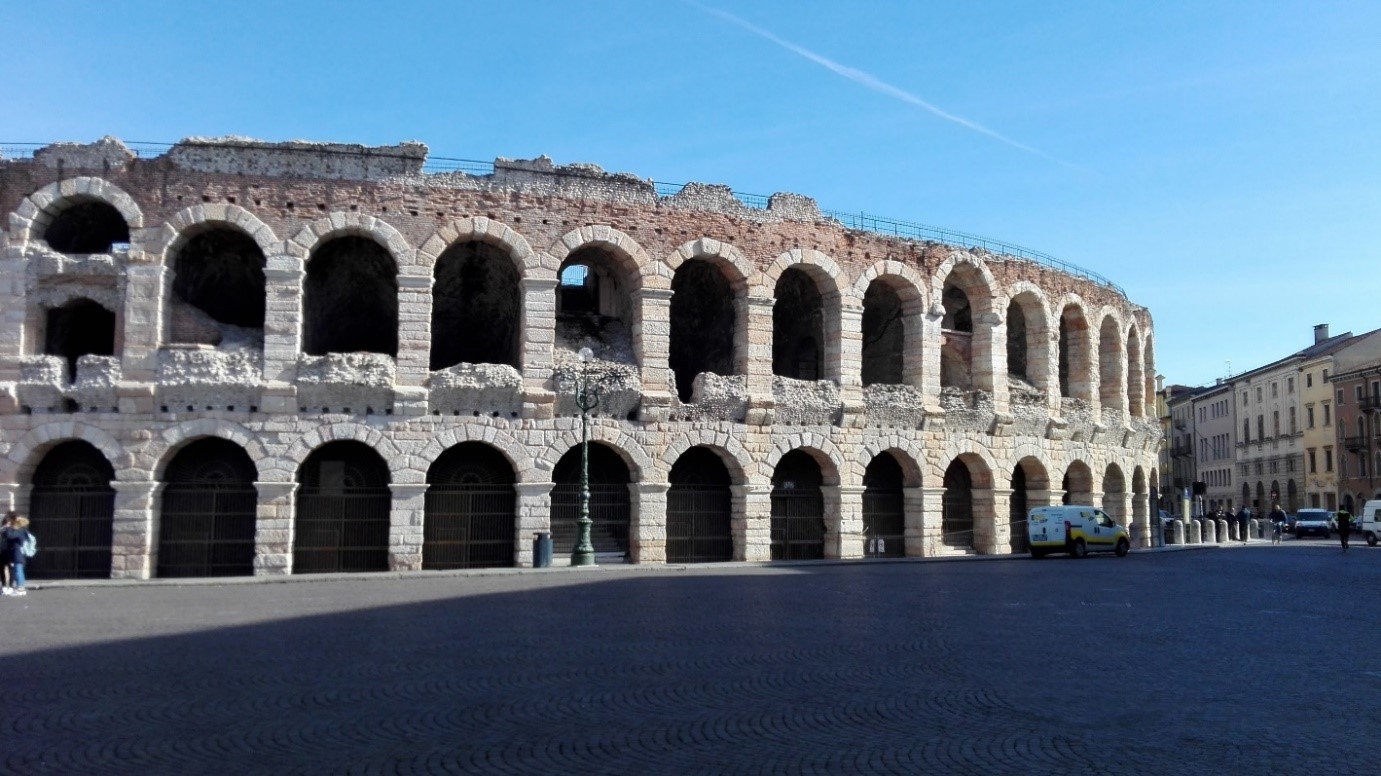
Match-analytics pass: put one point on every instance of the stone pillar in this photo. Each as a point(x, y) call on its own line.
point(993, 532)
point(273, 528)
point(932, 520)
point(534, 514)
point(13, 310)
point(537, 351)
point(647, 535)
point(752, 525)
point(1141, 522)
point(132, 536)
point(654, 335)
point(989, 365)
point(933, 339)
point(10, 498)
point(847, 529)
point(850, 374)
point(405, 520)
point(283, 277)
point(414, 345)
point(143, 314)
point(913, 505)
point(761, 402)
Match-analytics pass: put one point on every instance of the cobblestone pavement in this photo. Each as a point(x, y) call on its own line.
point(1241, 660)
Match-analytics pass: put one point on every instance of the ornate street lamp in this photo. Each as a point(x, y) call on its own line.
point(586, 398)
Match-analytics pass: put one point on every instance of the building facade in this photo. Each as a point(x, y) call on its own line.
point(1214, 422)
point(235, 357)
point(1356, 387)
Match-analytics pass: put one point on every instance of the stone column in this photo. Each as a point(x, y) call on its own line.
point(848, 528)
point(762, 403)
point(273, 528)
point(990, 360)
point(534, 514)
point(648, 533)
point(13, 310)
point(537, 346)
point(993, 533)
point(132, 536)
point(932, 520)
point(143, 314)
point(654, 334)
point(405, 520)
point(933, 339)
point(414, 345)
point(850, 370)
point(913, 503)
point(12, 498)
point(1141, 522)
point(283, 277)
point(752, 524)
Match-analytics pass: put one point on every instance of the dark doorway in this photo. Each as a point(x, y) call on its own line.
point(1016, 514)
point(476, 307)
point(350, 299)
point(884, 509)
point(1016, 342)
point(470, 517)
point(884, 335)
point(72, 509)
point(221, 273)
point(702, 324)
point(699, 509)
point(87, 227)
point(798, 327)
point(956, 524)
point(79, 328)
point(798, 509)
point(609, 502)
point(207, 523)
point(343, 504)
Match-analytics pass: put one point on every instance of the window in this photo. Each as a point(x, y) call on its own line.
point(1309, 416)
point(1357, 391)
point(1244, 398)
point(1328, 459)
point(1308, 379)
point(1361, 464)
point(1275, 390)
point(1290, 465)
point(1294, 424)
point(1275, 422)
point(1258, 467)
point(1289, 385)
point(1341, 402)
point(1258, 394)
point(1313, 462)
point(1246, 431)
point(1325, 375)
point(1327, 415)
point(1260, 427)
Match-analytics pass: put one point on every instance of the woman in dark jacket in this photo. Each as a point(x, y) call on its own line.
point(14, 531)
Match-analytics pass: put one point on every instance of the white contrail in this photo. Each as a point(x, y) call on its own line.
point(872, 82)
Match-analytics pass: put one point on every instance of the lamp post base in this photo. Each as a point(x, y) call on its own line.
point(584, 552)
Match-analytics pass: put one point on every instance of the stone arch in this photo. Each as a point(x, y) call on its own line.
point(189, 222)
point(963, 296)
point(707, 312)
point(736, 267)
point(1112, 384)
point(742, 468)
point(628, 449)
point(403, 468)
point(182, 319)
point(514, 451)
point(972, 275)
point(1032, 336)
point(880, 341)
point(833, 465)
point(908, 454)
point(37, 211)
point(1148, 356)
point(1136, 383)
point(796, 351)
point(828, 276)
point(312, 236)
point(528, 262)
point(608, 290)
point(26, 453)
point(1115, 492)
point(1078, 483)
point(628, 254)
point(978, 458)
point(170, 442)
point(1075, 356)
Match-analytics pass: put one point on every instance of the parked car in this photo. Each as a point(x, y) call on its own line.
point(1314, 522)
point(1290, 522)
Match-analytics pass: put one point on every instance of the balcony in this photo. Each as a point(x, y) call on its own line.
point(1356, 443)
point(1370, 403)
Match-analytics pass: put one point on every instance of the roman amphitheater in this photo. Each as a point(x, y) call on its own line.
point(232, 357)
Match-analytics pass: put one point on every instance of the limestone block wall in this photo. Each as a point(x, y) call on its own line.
point(1071, 426)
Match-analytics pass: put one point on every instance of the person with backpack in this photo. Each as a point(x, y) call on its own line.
point(16, 545)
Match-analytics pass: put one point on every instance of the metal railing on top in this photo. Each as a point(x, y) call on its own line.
point(859, 221)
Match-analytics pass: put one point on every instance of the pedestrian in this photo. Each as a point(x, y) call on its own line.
point(13, 535)
point(1344, 520)
point(1244, 517)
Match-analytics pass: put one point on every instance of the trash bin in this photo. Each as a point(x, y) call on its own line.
point(541, 550)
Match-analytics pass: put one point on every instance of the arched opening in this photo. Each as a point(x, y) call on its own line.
point(207, 522)
point(1291, 497)
point(87, 227)
point(884, 335)
point(956, 522)
point(1260, 497)
point(956, 350)
point(798, 508)
point(593, 305)
point(702, 324)
point(1136, 400)
point(72, 509)
point(1018, 349)
point(79, 328)
point(884, 508)
point(470, 510)
point(1078, 485)
point(477, 307)
point(1246, 493)
point(350, 299)
point(609, 503)
point(1017, 511)
point(1115, 494)
point(798, 327)
point(699, 509)
point(343, 503)
point(1347, 502)
point(1074, 355)
point(1110, 365)
point(218, 287)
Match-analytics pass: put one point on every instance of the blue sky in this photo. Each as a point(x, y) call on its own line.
point(1216, 159)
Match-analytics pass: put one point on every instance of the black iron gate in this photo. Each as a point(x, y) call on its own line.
point(798, 509)
point(1017, 512)
point(342, 511)
point(470, 510)
point(699, 524)
point(609, 509)
point(884, 509)
point(956, 523)
point(72, 509)
point(208, 515)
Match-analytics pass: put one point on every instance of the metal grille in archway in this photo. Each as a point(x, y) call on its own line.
point(798, 509)
point(1017, 512)
point(884, 509)
point(699, 508)
point(208, 516)
point(609, 503)
point(470, 510)
point(956, 524)
point(72, 509)
point(342, 511)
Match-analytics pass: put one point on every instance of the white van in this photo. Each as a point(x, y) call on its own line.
point(1077, 530)
point(1370, 522)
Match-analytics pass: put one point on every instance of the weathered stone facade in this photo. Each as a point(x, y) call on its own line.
point(287, 296)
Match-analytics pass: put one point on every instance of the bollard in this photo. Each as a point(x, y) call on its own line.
point(1222, 531)
point(541, 550)
point(1177, 531)
point(1210, 531)
point(1254, 528)
point(1196, 532)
